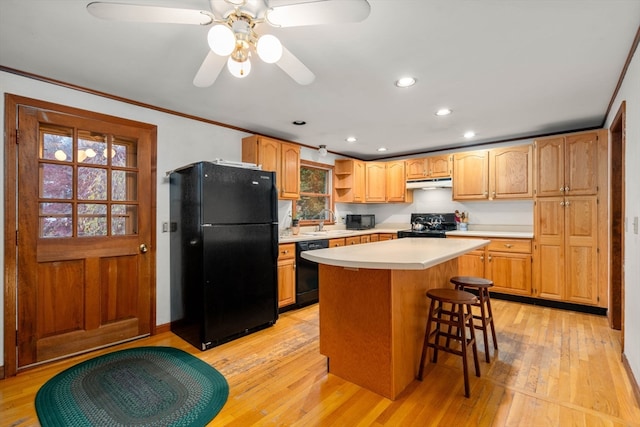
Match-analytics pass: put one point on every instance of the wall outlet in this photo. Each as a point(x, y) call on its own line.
point(165, 227)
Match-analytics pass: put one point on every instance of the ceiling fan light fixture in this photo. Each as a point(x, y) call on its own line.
point(239, 69)
point(221, 40)
point(269, 48)
point(322, 150)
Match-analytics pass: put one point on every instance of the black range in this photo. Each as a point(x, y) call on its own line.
point(430, 225)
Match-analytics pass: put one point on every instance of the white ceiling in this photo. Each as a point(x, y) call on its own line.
point(507, 69)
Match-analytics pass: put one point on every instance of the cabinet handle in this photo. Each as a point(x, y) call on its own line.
point(508, 245)
point(489, 258)
point(561, 189)
point(567, 203)
point(481, 257)
point(561, 203)
point(566, 188)
point(494, 194)
point(485, 194)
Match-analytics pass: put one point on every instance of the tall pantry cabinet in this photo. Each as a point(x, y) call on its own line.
point(570, 218)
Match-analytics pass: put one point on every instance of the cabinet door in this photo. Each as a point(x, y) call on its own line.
point(581, 167)
point(471, 264)
point(511, 273)
point(416, 168)
point(550, 167)
point(359, 181)
point(471, 175)
point(549, 270)
point(439, 166)
point(511, 172)
point(355, 240)
point(365, 239)
point(395, 182)
point(286, 282)
point(290, 171)
point(375, 190)
point(581, 251)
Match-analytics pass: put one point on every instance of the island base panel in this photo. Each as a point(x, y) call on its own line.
point(372, 323)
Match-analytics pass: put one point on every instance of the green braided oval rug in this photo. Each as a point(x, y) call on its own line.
point(145, 386)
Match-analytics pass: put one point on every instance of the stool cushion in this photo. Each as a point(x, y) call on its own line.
point(470, 281)
point(452, 296)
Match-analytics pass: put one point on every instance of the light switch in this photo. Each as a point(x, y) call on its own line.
point(165, 227)
point(635, 225)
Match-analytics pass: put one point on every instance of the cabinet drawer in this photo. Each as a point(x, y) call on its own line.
point(510, 245)
point(355, 240)
point(286, 251)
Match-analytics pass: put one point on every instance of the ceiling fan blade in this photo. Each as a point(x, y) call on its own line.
point(209, 70)
point(137, 13)
point(295, 68)
point(318, 13)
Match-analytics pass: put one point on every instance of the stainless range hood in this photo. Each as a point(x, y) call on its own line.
point(428, 184)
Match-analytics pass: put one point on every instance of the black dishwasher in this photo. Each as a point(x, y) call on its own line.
point(307, 273)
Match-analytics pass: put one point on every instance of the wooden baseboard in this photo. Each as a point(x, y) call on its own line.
point(632, 379)
point(163, 328)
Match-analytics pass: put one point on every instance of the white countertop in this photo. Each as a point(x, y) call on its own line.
point(332, 234)
point(399, 254)
point(493, 233)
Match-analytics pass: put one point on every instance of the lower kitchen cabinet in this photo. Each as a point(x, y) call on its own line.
point(334, 243)
point(355, 240)
point(286, 274)
point(386, 236)
point(507, 262)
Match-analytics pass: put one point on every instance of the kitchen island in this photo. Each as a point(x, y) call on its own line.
point(373, 307)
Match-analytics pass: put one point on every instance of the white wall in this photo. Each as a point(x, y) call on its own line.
point(630, 92)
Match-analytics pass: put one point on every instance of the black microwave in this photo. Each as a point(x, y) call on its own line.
point(361, 222)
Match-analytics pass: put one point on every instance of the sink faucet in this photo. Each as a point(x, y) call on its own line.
point(321, 223)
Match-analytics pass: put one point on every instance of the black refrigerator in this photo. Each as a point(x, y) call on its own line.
point(224, 249)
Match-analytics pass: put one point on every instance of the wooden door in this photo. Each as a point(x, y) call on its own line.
point(549, 270)
point(85, 224)
point(510, 273)
point(471, 264)
point(581, 252)
point(550, 167)
point(581, 168)
point(375, 190)
point(286, 275)
point(417, 168)
point(395, 186)
point(511, 172)
point(440, 166)
point(289, 171)
point(471, 175)
point(359, 181)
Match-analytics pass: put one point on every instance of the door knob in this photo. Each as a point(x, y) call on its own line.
point(143, 248)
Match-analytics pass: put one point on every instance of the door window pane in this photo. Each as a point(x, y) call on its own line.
point(92, 183)
point(124, 186)
point(92, 148)
point(56, 220)
point(124, 219)
point(56, 181)
point(124, 152)
point(56, 143)
point(92, 219)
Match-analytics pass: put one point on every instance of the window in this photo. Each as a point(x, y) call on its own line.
point(316, 201)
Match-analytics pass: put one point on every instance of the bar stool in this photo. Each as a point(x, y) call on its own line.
point(485, 317)
point(460, 316)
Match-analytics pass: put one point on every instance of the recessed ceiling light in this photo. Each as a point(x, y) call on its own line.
point(381, 149)
point(351, 139)
point(406, 82)
point(443, 112)
point(469, 134)
point(299, 122)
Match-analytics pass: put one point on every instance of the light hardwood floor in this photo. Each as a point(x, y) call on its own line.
point(554, 368)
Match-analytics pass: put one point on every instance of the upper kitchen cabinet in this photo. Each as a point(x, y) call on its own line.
point(375, 182)
point(471, 175)
point(511, 172)
point(500, 173)
point(396, 188)
point(428, 167)
point(349, 181)
point(567, 165)
point(277, 156)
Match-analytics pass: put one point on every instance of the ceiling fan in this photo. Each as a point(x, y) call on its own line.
point(232, 38)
